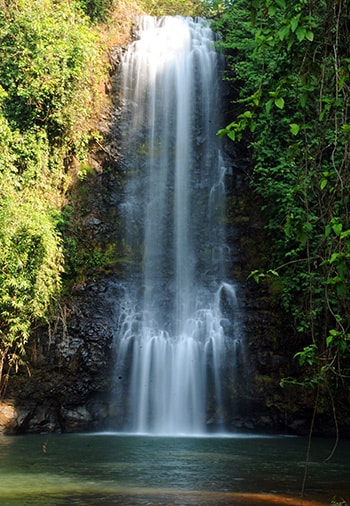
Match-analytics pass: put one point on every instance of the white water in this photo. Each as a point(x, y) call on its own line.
point(171, 346)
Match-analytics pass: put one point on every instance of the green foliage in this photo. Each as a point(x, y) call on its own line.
point(289, 72)
point(49, 62)
point(30, 265)
point(44, 54)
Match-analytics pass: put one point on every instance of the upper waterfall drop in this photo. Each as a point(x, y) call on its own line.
point(177, 326)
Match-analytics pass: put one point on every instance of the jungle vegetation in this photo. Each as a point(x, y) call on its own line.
point(45, 74)
point(289, 72)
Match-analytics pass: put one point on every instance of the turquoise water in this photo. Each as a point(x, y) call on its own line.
point(111, 469)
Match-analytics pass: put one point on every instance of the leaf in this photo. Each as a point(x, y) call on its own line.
point(323, 184)
point(3, 93)
point(309, 35)
point(283, 32)
point(335, 257)
point(337, 228)
point(268, 106)
point(294, 22)
point(342, 345)
point(301, 33)
point(294, 128)
point(279, 102)
point(307, 227)
point(256, 275)
point(281, 3)
point(341, 268)
point(272, 10)
point(222, 132)
point(329, 341)
point(246, 114)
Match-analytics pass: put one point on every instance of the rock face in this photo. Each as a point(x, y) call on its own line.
point(70, 368)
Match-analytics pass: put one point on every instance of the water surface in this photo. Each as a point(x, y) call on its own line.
point(111, 469)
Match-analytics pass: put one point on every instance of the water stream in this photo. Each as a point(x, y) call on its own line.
point(178, 322)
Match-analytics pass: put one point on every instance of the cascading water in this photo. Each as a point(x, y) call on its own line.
point(177, 326)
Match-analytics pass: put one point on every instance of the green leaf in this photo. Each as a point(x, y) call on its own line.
point(329, 341)
point(301, 33)
point(256, 275)
point(307, 355)
point(323, 184)
point(309, 35)
point(268, 106)
point(294, 128)
point(3, 93)
point(281, 3)
point(222, 132)
point(246, 114)
point(279, 102)
point(307, 227)
point(283, 32)
point(294, 22)
point(335, 257)
point(337, 228)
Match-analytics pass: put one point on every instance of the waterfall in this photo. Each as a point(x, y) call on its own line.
point(176, 327)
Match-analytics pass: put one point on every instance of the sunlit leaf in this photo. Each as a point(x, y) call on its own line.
point(294, 128)
point(279, 102)
point(309, 35)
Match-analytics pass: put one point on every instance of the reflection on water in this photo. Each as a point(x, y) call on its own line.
point(110, 469)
